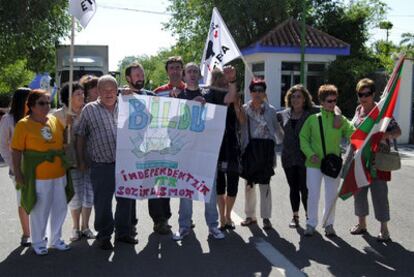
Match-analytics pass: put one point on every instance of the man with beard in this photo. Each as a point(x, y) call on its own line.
point(135, 76)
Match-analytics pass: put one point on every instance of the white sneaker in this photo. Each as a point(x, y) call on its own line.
point(216, 233)
point(181, 234)
point(309, 231)
point(40, 250)
point(60, 245)
point(76, 235)
point(87, 233)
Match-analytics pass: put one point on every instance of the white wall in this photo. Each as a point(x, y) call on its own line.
point(403, 110)
point(273, 68)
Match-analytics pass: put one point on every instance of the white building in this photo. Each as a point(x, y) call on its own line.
point(276, 58)
point(404, 111)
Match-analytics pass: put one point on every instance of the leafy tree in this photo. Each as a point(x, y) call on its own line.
point(247, 21)
point(30, 29)
point(407, 40)
point(407, 44)
point(13, 76)
point(154, 66)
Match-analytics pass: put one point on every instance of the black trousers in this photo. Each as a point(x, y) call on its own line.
point(159, 209)
point(296, 177)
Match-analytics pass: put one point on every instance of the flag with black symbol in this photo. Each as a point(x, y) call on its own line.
point(83, 10)
point(220, 47)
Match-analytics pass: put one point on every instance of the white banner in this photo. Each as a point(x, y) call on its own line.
point(83, 10)
point(220, 47)
point(167, 147)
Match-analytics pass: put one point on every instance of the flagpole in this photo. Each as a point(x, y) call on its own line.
point(71, 56)
point(325, 219)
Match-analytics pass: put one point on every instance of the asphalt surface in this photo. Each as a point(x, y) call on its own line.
point(244, 252)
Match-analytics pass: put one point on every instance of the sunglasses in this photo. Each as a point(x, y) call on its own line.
point(259, 90)
point(364, 95)
point(43, 103)
point(330, 101)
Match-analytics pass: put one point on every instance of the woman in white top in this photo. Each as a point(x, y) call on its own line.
point(18, 110)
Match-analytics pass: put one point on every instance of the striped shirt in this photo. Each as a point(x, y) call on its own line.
point(99, 126)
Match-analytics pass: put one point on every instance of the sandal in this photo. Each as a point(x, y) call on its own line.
point(248, 221)
point(357, 230)
point(230, 225)
point(383, 237)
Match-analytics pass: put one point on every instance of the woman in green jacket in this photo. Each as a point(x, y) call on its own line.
point(311, 146)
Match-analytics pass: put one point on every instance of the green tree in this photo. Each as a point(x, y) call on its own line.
point(13, 76)
point(246, 20)
point(154, 66)
point(30, 29)
point(407, 44)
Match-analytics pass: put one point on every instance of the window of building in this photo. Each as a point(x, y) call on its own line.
point(259, 70)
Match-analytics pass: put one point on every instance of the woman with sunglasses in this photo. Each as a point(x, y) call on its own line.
point(39, 165)
point(379, 190)
point(8, 122)
point(82, 202)
point(261, 124)
point(311, 146)
point(299, 107)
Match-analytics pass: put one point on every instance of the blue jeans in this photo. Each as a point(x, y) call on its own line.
point(103, 182)
point(185, 212)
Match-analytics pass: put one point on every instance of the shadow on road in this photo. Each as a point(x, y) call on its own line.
point(161, 256)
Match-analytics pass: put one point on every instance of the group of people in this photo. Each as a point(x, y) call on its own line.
point(68, 157)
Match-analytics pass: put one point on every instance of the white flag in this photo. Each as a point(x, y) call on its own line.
point(83, 10)
point(220, 47)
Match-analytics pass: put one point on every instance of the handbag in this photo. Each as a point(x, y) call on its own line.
point(387, 159)
point(257, 160)
point(331, 164)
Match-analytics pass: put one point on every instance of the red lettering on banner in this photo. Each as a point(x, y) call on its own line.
point(120, 190)
point(189, 194)
point(189, 176)
point(204, 190)
point(181, 175)
point(172, 192)
point(132, 176)
point(127, 191)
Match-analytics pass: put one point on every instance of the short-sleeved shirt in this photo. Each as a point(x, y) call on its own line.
point(99, 126)
point(33, 135)
point(165, 90)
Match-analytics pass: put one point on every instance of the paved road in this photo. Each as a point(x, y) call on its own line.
point(244, 252)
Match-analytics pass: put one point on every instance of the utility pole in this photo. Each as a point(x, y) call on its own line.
point(302, 43)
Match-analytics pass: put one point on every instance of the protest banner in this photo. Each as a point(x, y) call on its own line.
point(167, 147)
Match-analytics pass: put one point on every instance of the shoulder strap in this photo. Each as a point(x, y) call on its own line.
point(248, 127)
point(322, 135)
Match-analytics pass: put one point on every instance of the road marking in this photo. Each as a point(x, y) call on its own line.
point(277, 259)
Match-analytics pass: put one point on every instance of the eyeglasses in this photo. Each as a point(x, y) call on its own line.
point(43, 103)
point(331, 101)
point(364, 94)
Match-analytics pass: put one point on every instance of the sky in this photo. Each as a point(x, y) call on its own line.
point(132, 33)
